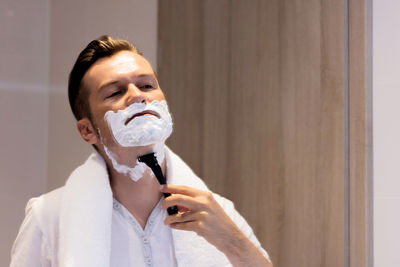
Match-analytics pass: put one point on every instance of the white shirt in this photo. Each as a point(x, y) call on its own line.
point(131, 245)
point(41, 236)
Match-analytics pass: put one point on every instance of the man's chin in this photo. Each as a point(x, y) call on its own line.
point(140, 150)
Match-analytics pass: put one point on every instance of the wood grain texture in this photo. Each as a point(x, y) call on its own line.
point(360, 102)
point(258, 92)
point(312, 84)
point(181, 75)
point(255, 153)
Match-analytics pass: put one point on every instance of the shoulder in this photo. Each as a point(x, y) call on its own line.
point(44, 212)
point(179, 173)
point(37, 237)
point(236, 217)
point(225, 203)
point(47, 206)
point(229, 207)
point(240, 221)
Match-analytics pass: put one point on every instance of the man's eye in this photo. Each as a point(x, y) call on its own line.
point(146, 87)
point(114, 94)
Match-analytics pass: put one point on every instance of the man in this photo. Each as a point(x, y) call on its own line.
point(112, 212)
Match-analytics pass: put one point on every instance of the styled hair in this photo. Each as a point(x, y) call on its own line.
point(104, 46)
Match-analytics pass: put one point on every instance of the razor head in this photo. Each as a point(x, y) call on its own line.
point(149, 159)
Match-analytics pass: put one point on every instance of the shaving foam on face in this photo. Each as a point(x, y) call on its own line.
point(136, 172)
point(141, 130)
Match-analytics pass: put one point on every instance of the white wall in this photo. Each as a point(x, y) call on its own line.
point(386, 131)
point(40, 40)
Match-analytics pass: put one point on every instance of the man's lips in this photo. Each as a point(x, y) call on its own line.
point(146, 112)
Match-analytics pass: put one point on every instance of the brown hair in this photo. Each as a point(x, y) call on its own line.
point(101, 47)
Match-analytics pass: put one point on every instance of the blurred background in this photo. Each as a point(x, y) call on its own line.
point(40, 41)
point(289, 108)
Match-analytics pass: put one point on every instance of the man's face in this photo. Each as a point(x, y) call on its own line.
point(116, 82)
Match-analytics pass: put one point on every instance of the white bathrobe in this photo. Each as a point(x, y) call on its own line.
point(67, 227)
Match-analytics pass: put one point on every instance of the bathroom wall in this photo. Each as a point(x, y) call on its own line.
point(386, 131)
point(259, 90)
point(40, 40)
point(24, 71)
point(73, 25)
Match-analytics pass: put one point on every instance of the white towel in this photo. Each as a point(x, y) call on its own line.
point(85, 219)
point(190, 248)
point(85, 216)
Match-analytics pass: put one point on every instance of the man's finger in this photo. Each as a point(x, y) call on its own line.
point(182, 200)
point(185, 217)
point(180, 189)
point(182, 208)
point(195, 226)
point(178, 218)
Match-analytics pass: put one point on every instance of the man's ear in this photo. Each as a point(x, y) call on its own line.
point(87, 131)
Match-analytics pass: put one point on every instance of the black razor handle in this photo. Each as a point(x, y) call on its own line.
point(151, 161)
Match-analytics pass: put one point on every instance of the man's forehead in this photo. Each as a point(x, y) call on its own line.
point(124, 62)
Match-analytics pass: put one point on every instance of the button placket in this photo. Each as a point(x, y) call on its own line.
point(116, 205)
point(148, 262)
point(146, 250)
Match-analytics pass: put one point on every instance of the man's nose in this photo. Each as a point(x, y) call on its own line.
point(134, 95)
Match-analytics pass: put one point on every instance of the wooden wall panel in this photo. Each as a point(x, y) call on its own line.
point(216, 88)
point(259, 93)
point(181, 75)
point(360, 137)
point(255, 123)
point(312, 84)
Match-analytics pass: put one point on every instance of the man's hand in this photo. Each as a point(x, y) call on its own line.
point(201, 213)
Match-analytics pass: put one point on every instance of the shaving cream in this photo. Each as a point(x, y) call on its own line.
point(141, 130)
point(136, 172)
point(130, 130)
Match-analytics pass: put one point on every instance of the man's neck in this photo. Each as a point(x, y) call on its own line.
point(140, 197)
